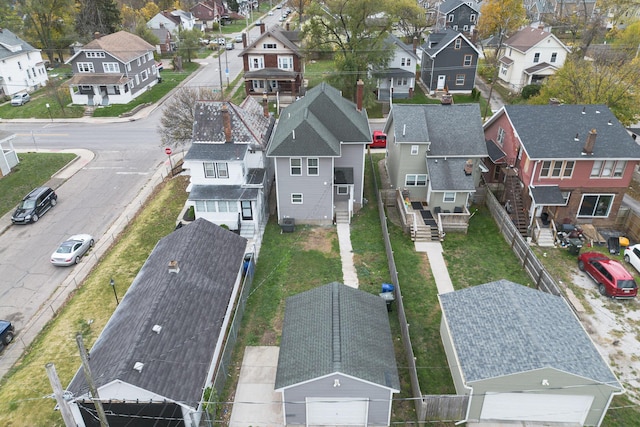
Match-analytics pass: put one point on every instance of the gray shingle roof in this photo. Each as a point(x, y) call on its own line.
point(222, 192)
point(189, 305)
point(436, 42)
point(502, 328)
point(335, 328)
point(316, 124)
point(448, 175)
point(548, 131)
point(453, 130)
point(216, 151)
point(449, 5)
point(287, 38)
point(9, 39)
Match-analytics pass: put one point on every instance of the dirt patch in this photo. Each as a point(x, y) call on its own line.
point(319, 239)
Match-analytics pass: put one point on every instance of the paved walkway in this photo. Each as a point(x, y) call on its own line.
point(438, 266)
point(349, 274)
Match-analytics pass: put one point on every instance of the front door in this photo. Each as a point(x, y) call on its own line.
point(441, 81)
point(247, 213)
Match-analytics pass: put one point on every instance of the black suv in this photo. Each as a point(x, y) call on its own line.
point(34, 205)
point(6, 332)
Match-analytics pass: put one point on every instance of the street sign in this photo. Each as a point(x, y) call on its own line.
point(168, 151)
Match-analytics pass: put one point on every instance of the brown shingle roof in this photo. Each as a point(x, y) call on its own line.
point(526, 38)
point(122, 45)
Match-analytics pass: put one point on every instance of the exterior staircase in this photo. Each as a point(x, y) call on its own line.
point(545, 238)
point(342, 217)
point(247, 230)
point(515, 205)
point(425, 233)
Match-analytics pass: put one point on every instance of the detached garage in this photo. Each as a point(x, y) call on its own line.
point(523, 356)
point(337, 363)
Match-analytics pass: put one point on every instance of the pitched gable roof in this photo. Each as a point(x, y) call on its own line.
point(502, 328)
point(437, 42)
point(316, 125)
point(529, 37)
point(12, 45)
point(335, 328)
point(407, 48)
point(122, 45)
point(449, 5)
point(452, 130)
point(189, 305)
point(285, 37)
point(549, 131)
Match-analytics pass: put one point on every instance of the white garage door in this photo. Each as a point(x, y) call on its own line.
point(536, 407)
point(331, 411)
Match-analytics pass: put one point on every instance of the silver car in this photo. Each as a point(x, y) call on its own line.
point(71, 250)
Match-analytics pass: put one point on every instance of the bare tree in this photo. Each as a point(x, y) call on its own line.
point(176, 124)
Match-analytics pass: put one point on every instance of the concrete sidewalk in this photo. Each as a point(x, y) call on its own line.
point(349, 273)
point(438, 266)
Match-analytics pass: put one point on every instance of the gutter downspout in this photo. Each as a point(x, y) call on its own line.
point(431, 91)
point(466, 415)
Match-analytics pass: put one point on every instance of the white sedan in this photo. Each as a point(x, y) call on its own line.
point(632, 256)
point(71, 250)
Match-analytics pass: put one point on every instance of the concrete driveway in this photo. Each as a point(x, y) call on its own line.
point(255, 403)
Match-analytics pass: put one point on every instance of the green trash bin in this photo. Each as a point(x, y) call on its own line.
point(574, 246)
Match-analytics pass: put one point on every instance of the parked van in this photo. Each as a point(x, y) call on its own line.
point(34, 205)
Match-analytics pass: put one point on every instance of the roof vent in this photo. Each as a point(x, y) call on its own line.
point(404, 129)
point(584, 110)
point(174, 267)
point(577, 137)
point(138, 366)
point(156, 329)
point(609, 123)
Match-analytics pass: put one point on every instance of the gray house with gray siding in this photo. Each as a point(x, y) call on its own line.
point(434, 153)
point(318, 149)
point(112, 69)
point(449, 62)
point(337, 363)
point(523, 356)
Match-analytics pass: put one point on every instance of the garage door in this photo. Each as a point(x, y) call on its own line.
point(536, 407)
point(331, 411)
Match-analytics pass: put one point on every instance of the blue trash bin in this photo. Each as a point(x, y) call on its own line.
point(387, 287)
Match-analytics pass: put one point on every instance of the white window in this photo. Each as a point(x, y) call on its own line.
point(415, 180)
point(95, 54)
point(223, 170)
point(467, 60)
point(269, 46)
point(111, 67)
point(465, 28)
point(565, 196)
point(285, 62)
point(85, 67)
point(401, 81)
point(536, 57)
point(608, 168)
point(312, 166)
point(144, 74)
point(414, 150)
point(405, 62)
point(460, 79)
point(295, 166)
point(209, 169)
point(342, 190)
point(458, 44)
point(449, 197)
point(554, 57)
point(138, 62)
point(472, 18)
point(595, 205)
point(557, 169)
point(256, 62)
point(500, 138)
point(450, 18)
point(258, 84)
point(215, 170)
point(296, 198)
point(137, 79)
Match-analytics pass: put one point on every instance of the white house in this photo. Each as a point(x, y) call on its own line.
point(21, 65)
point(8, 155)
point(529, 56)
point(172, 21)
point(399, 78)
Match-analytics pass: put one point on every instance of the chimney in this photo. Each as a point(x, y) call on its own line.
point(226, 123)
point(591, 141)
point(554, 101)
point(174, 267)
point(359, 95)
point(468, 167)
point(265, 104)
point(244, 40)
point(96, 35)
point(415, 44)
point(262, 28)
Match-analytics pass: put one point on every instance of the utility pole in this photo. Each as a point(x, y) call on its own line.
point(67, 417)
point(89, 378)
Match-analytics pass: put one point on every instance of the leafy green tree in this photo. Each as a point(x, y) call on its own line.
point(355, 30)
point(46, 22)
point(412, 19)
point(9, 17)
point(145, 33)
point(189, 43)
point(628, 40)
point(97, 16)
point(500, 18)
point(609, 79)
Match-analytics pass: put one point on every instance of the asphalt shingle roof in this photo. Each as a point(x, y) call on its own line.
point(222, 192)
point(190, 307)
point(9, 39)
point(549, 131)
point(503, 328)
point(316, 125)
point(122, 45)
point(335, 328)
point(452, 130)
point(448, 175)
point(526, 38)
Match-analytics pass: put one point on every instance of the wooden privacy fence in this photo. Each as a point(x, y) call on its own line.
point(446, 407)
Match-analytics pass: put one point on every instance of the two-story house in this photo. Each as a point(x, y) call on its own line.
point(273, 63)
point(208, 13)
point(230, 176)
point(434, 157)
point(173, 21)
point(112, 69)
point(398, 80)
point(570, 162)
point(458, 15)
point(552, 10)
point(529, 56)
point(449, 62)
point(21, 66)
point(318, 148)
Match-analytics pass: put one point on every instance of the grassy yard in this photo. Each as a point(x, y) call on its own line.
point(32, 171)
point(23, 389)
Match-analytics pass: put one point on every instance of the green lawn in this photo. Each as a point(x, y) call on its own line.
point(33, 171)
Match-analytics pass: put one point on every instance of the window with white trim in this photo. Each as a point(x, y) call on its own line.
point(457, 43)
point(269, 46)
point(313, 166)
point(342, 190)
point(472, 17)
point(595, 205)
point(295, 165)
point(296, 198)
point(401, 81)
point(216, 206)
point(565, 196)
point(557, 168)
point(465, 28)
point(215, 169)
point(144, 74)
point(209, 169)
point(460, 79)
point(85, 67)
point(257, 84)
point(285, 62)
point(405, 62)
point(414, 150)
point(111, 67)
point(450, 18)
point(554, 57)
point(415, 180)
point(222, 169)
point(467, 60)
point(608, 168)
point(500, 137)
point(256, 62)
point(536, 57)
point(139, 62)
point(449, 197)
point(95, 54)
